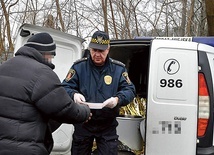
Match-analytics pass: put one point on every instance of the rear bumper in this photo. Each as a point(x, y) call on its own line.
point(205, 151)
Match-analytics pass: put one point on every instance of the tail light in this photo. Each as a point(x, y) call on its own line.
point(204, 105)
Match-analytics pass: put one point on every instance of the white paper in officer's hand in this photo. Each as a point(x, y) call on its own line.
point(95, 105)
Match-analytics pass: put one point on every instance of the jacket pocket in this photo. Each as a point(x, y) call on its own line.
point(112, 142)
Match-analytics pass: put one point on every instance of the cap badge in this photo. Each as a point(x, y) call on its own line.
point(99, 39)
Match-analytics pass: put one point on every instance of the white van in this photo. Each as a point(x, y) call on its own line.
point(175, 75)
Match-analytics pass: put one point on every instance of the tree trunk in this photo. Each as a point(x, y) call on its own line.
point(1, 41)
point(210, 16)
point(135, 17)
point(126, 19)
point(105, 18)
point(202, 30)
point(183, 20)
point(190, 18)
point(50, 22)
point(6, 15)
point(60, 15)
point(77, 20)
point(113, 20)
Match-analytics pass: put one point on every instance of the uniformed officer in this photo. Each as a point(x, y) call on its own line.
point(101, 80)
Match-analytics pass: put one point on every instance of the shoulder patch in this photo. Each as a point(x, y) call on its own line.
point(126, 77)
point(117, 62)
point(81, 60)
point(70, 74)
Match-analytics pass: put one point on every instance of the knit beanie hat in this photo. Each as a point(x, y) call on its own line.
point(42, 42)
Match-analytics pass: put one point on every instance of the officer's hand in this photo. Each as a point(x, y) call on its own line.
point(79, 98)
point(111, 102)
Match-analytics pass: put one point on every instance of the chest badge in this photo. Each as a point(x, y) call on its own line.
point(108, 79)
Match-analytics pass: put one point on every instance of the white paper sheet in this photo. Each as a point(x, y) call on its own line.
point(95, 105)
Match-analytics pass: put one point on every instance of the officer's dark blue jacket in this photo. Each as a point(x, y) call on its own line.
point(97, 84)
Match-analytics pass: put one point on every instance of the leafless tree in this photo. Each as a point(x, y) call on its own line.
point(59, 14)
point(190, 18)
point(210, 16)
point(183, 18)
point(7, 26)
point(104, 7)
point(113, 19)
point(120, 18)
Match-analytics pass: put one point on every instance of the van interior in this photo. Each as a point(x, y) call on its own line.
point(136, 59)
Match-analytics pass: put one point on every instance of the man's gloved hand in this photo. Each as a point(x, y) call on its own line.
point(111, 102)
point(79, 98)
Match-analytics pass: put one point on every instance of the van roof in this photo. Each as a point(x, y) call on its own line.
point(205, 40)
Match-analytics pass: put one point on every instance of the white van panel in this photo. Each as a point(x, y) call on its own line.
point(68, 47)
point(63, 139)
point(66, 54)
point(172, 99)
point(169, 71)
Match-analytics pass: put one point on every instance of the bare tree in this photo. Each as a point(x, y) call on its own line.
point(190, 18)
point(2, 40)
point(104, 7)
point(134, 8)
point(157, 20)
point(183, 19)
point(120, 18)
point(6, 15)
point(113, 19)
point(125, 17)
point(50, 22)
point(210, 16)
point(60, 15)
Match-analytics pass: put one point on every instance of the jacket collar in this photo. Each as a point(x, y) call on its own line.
point(106, 65)
point(33, 54)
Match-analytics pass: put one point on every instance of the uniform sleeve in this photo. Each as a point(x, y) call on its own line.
point(52, 100)
point(126, 90)
point(70, 83)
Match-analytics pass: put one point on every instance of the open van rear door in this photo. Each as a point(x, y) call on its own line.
point(171, 120)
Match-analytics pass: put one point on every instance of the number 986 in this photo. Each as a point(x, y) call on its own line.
point(171, 83)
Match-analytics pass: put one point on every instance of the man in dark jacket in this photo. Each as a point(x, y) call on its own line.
point(105, 82)
point(30, 95)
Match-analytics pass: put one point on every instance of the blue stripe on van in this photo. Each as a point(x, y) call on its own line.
point(204, 40)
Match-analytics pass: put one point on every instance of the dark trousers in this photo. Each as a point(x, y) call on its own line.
point(106, 141)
